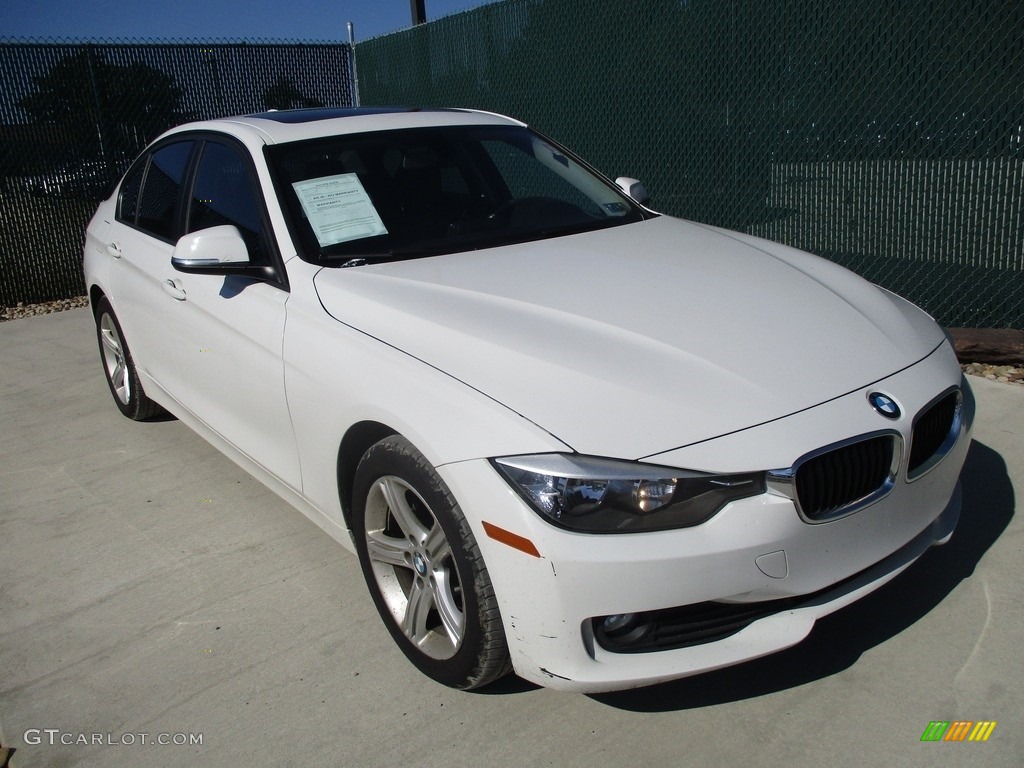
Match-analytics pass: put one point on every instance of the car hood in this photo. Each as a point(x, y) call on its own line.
point(638, 339)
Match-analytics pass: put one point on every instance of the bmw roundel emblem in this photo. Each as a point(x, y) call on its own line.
point(885, 405)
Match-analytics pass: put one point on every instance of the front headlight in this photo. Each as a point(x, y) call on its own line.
point(605, 496)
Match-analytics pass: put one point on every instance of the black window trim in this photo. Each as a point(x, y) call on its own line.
point(274, 272)
point(145, 160)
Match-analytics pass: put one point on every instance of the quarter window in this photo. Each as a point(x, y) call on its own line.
point(128, 205)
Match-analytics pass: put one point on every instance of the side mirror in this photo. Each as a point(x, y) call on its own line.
point(213, 247)
point(220, 251)
point(633, 188)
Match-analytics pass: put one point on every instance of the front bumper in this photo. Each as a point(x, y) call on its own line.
point(754, 550)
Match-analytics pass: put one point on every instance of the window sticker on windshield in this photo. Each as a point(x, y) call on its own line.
point(338, 209)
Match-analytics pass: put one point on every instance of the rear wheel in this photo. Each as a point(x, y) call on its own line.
point(119, 367)
point(424, 569)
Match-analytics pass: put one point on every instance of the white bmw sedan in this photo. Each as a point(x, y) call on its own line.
point(565, 435)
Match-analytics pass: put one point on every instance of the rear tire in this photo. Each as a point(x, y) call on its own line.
point(424, 569)
point(119, 367)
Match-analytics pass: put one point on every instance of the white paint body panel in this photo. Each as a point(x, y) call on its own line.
point(225, 354)
point(549, 600)
point(673, 332)
point(338, 376)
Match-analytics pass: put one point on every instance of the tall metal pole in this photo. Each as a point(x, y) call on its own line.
point(96, 102)
point(419, 11)
point(354, 78)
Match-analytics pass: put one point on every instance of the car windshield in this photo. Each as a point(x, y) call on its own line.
point(418, 192)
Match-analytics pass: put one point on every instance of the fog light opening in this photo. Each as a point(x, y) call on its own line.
point(621, 629)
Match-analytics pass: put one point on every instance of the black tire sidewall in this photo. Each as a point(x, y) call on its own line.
point(131, 408)
point(394, 456)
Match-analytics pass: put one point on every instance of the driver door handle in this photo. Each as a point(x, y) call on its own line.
point(114, 249)
point(173, 289)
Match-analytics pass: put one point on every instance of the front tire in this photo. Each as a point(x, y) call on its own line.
point(119, 367)
point(424, 570)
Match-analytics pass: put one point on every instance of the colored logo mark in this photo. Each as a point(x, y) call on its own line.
point(958, 730)
point(885, 405)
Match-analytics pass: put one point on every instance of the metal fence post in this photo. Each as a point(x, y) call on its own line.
point(96, 102)
point(353, 77)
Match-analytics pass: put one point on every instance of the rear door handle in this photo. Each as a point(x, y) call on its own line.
point(173, 289)
point(114, 249)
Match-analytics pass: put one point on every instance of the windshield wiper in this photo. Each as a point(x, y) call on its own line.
point(396, 254)
point(473, 242)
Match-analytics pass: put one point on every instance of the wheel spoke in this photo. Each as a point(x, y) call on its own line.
point(394, 495)
point(388, 549)
point(110, 342)
point(125, 387)
point(436, 545)
point(414, 623)
point(452, 618)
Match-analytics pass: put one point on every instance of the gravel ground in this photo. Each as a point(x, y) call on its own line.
point(1008, 374)
point(31, 310)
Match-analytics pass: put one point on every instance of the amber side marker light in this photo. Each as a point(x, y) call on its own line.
point(510, 539)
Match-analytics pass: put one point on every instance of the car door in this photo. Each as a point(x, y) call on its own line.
point(228, 329)
point(140, 242)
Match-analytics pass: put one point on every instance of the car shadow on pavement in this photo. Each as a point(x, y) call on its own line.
point(160, 418)
point(837, 641)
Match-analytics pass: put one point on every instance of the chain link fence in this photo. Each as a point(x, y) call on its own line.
point(886, 135)
point(73, 116)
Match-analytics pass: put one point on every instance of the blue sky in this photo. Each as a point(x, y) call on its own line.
point(212, 19)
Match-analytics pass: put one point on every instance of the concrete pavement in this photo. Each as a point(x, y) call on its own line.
point(149, 586)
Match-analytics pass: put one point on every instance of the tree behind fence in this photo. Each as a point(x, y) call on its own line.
point(73, 116)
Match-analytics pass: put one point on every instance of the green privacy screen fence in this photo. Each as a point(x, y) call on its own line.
point(74, 115)
point(886, 135)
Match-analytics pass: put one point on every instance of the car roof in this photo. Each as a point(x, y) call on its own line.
point(278, 127)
